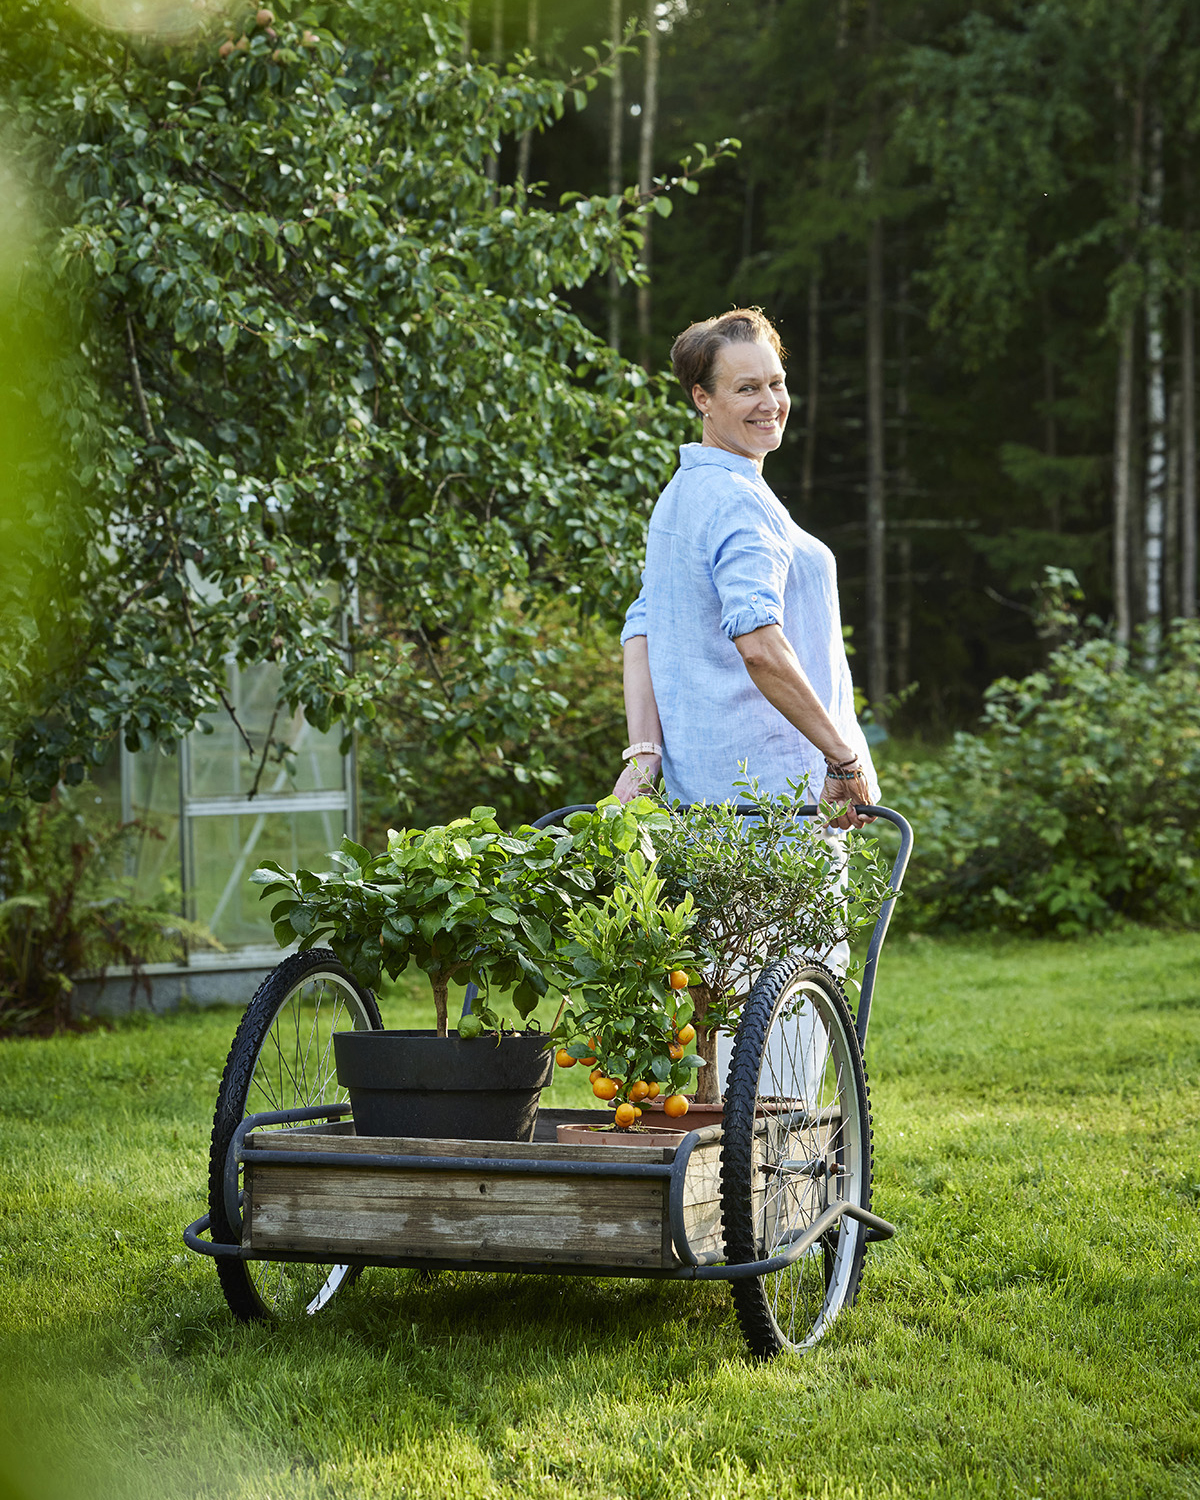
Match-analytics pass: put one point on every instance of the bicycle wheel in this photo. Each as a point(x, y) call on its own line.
point(282, 1058)
point(797, 1140)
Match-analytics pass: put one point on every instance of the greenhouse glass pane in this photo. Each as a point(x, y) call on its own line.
point(221, 766)
point(226, 849)
point(154, 805)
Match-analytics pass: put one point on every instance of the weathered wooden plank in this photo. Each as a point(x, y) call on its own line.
point(586, 1222)
point(292, 1140)
point(387, 1185)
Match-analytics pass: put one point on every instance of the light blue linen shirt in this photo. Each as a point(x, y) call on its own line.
point(723, 557)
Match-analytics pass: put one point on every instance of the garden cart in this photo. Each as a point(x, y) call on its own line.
point(775, 1199)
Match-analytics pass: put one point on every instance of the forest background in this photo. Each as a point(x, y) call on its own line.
point(370, 305)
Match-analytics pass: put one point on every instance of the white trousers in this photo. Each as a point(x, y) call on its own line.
point(798, 1046)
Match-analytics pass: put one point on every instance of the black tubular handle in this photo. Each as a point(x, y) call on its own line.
point(808, 810)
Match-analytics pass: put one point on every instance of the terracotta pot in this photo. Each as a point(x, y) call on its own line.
point(603, 1135)
point(697, 1115)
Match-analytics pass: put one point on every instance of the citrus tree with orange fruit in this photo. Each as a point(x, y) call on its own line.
point(628, 1015)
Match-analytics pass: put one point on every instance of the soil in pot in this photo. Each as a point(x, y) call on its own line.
point(418, 1083)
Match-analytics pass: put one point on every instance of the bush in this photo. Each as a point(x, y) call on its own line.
point(1077, 803)
point(66, 911)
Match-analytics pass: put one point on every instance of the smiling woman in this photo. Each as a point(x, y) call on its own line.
point(733, 648)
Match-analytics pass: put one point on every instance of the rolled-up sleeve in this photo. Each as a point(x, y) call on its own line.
point(635, 616)
point(750, 557)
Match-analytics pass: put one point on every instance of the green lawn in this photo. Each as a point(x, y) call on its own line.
point(1034, 1330)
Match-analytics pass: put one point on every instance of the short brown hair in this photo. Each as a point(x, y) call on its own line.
point(694, 352)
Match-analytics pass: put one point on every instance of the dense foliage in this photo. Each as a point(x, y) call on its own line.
point(310, 354)
point(1076, 803)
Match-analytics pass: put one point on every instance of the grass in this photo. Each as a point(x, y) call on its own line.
point(1032, 1331)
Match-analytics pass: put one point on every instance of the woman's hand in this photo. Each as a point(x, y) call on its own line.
point(640, 775)
point(845, 791)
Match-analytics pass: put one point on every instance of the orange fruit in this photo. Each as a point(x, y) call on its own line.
point(652, 1090)
point(563, 1058)
point(675, 1051)
point(675, 1105)
point(588, 1062)
point(638, 1091)
point(637, 1112)
point(596, 1073)
point(678, 979)
point(686, 1034)
point(605, 1088)
point(625, 1116)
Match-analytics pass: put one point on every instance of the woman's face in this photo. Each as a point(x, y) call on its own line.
point(748, 408)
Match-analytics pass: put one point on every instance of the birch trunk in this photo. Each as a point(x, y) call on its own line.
point(812, 396)
point(1187, 419)
point(1123, 421)
point(649, 122)
point(877, 674)
point(492, 165)
point(1122, 475)
point(1171, 573)
point(1156, 405)
point(525, 144)
point(616, 121)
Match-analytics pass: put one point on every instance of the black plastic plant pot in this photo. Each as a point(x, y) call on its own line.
point(418, 1083)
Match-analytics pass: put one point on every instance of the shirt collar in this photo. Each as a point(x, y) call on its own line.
point(693, 455)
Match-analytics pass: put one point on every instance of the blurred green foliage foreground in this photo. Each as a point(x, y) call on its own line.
point(1031, 1330)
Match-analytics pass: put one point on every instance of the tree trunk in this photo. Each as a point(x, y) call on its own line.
point(904, 614)
point(492, 165)
point(649, 121)
point(526, 142)
point(1187, 422)
point(902, 487)
point(1156, 404)
point(616, 122)
point(877, 674)
point(1123, 421)
point(440, 980)
point(1122, 474)
point(708, 1078)
point(1049, 420)
point(812, 400)
point(1171, 575)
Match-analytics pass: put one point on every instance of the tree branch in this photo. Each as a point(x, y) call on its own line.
point(135, 375)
